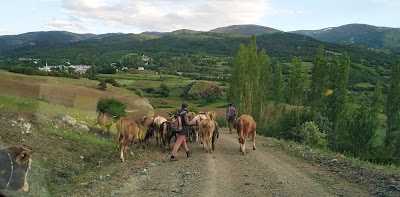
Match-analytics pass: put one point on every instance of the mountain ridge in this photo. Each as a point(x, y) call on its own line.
point(387, 38)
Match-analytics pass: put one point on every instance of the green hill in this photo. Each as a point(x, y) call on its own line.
point(280, 46)
point(245, 29)
point(358, 34)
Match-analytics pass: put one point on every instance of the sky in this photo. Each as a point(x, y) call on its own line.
point(136, 16)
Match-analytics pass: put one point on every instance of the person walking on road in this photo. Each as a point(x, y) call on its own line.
point(230, 116)
point(181, 139)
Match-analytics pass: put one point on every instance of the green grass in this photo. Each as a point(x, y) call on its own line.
point(15, 104)
point(80, 138)
point(199, 86)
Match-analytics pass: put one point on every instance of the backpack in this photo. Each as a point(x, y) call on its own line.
point(230, 113)
point(177, 126)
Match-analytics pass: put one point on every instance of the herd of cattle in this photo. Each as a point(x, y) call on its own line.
point(205, 131)
point(15, 161)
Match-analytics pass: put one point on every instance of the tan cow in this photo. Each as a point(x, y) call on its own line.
point(215, 135)
point(105, 120)
point(198, 118)
point(206, 131)
point(158, 121)
point(127, 132)
point(246, 127)
point(212, 115)
point(14, 165)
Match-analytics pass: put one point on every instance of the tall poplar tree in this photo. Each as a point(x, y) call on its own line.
point(392, 140)
point(237, 85)
point(296, 84)
point(278, 85)
point(252, 98)
point(245, 89)
point(319, 82)
point(337, 106)
point(265, 80)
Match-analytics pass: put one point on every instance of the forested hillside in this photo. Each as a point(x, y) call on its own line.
point(280, 46)
point(358, 34)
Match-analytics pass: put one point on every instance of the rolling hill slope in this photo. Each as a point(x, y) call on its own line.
point(358, 34)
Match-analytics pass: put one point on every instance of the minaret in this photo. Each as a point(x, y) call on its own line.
point(46, 68)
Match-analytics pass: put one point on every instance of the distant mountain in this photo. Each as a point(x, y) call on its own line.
point(155, 33)
point(245, 29)
point(10, 42)
point(358, 34)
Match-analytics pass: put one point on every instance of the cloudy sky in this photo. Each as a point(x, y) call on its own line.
point(136, 16)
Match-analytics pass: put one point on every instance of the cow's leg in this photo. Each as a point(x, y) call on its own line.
point(209, 143)
point(132, 144)
point(122, 153)
point(254, 141)
point(158, 137)
point(197, 136)
point(244, 147)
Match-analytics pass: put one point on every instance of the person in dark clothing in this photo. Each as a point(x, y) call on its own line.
point(230, 116)
point(181, 139)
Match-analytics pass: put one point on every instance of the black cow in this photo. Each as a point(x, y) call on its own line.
point(14, 165)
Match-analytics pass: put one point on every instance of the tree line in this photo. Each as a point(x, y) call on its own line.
point(315, 109)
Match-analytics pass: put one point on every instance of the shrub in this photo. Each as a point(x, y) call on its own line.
point(139, 92)
point(113, 106)
point(288, 127)
point(102, 85)
point(113, 82)
point(221, 121)
point(311, 135)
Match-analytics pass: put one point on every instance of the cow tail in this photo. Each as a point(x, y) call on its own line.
point(120, 134)
point(241, 130)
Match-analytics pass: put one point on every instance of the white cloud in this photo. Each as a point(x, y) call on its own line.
point(64, 24)
point(167, 15)
point(5, 32)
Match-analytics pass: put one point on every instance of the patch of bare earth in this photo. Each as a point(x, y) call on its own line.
point(262, 172)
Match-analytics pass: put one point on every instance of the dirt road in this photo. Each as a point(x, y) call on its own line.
point(226, 172)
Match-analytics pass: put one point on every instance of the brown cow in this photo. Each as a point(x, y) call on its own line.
point(215, 135)
point(127, 132)
point(206, 131)
point(14, 165)
point(246, 127)
point(105, 120)
point(146, 130)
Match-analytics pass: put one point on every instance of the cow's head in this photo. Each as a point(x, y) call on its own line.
point(14, 165)
point(173, 122)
